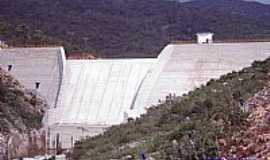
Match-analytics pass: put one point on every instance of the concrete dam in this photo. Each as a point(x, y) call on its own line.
point(87, 96)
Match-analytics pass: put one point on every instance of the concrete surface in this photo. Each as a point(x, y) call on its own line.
point(185, 67)
point(99, 92)
point(32, 65)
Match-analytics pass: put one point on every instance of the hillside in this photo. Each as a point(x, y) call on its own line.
point(21, 111)
point(127, 28)
point(204, 123)
point(255, 138)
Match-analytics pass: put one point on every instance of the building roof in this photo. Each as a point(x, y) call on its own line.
point(204, 33)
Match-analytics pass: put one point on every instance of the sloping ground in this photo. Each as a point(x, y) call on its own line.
point(187, 127)
point(254, 140)
point(20, 110)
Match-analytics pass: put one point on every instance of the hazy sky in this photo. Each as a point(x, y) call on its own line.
point(262, 1)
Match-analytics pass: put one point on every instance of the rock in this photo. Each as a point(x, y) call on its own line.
point(253, 142)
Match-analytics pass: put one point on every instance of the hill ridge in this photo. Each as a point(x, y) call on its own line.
point(127, 28)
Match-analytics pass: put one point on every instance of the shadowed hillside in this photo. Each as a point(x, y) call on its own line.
point(21, 111)
point(18, 105)
point(127, 28)
point(198, 125)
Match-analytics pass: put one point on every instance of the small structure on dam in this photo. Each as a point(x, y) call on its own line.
point(87, 96)
point(203, 38)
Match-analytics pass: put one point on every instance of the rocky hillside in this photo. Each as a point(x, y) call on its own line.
point(127, 28)
point(217, 119)
point(21, 112)
point(254, 139)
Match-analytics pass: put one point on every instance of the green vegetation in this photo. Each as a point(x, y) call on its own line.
point(21, 35)
point(19, 110)
point(189, 127)
point(127, 28)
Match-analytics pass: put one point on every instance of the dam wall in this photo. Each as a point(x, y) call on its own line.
point(143, 95)
point(96, 94)
point(39, 69)
point(186, 67)
point(88, 96)
point(99, 92)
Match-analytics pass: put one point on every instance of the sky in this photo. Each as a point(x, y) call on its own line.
point(262, 1)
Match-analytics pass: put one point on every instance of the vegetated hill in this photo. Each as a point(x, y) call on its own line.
point(20, 112)
point(198, 125)
point(127, 28)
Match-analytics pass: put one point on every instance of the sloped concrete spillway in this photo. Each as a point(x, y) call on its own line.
point(100, 91)
point(96, 94)
point(91, 95)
